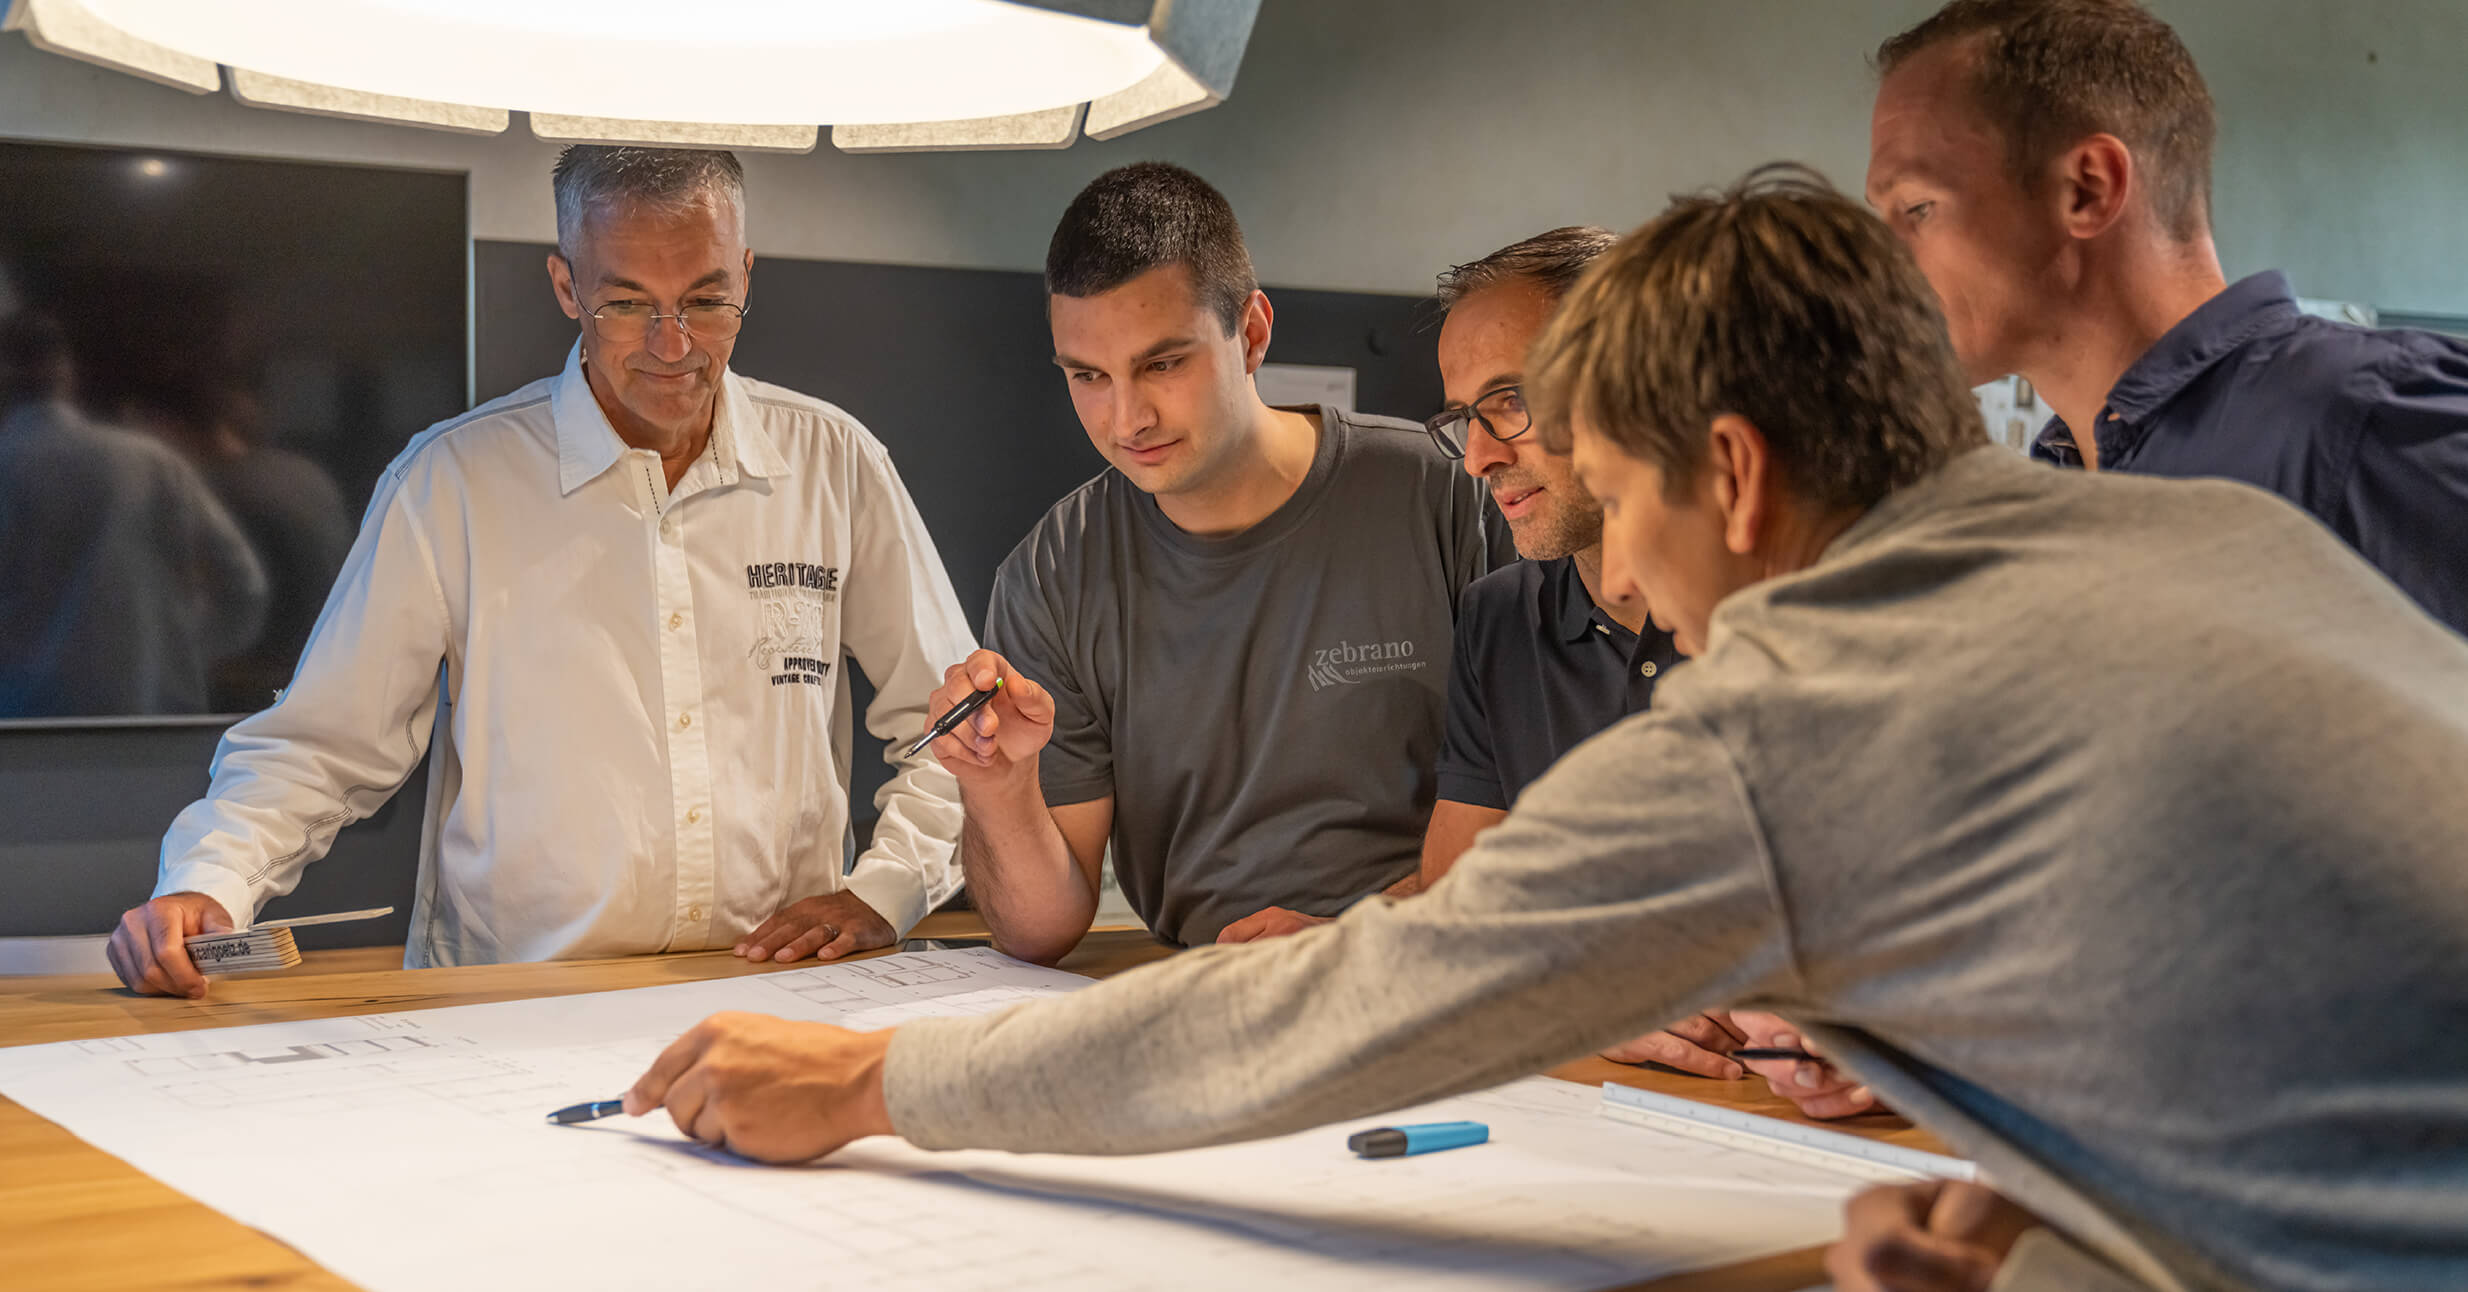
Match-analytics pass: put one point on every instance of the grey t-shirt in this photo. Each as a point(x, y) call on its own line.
point(1265, 708)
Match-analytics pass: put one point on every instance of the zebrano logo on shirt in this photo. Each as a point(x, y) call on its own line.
point(1347, 663)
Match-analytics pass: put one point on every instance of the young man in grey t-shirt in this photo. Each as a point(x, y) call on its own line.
point(1227, 655)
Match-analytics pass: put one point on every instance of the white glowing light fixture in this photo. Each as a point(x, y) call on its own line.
point(886, 75)
point(757, 62)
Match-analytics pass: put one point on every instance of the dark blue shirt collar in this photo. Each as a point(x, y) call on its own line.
point(1577, 613)
point(2182, 354)
point(1576, 608)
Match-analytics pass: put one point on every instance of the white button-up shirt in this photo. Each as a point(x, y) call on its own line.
point(645, 735)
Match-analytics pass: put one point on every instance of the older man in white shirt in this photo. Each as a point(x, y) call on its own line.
point(620, 598)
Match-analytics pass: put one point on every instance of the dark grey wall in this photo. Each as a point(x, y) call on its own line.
point(949, 367)
point(82, 814)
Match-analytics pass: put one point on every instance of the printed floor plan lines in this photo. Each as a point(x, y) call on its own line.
point(348, 1125)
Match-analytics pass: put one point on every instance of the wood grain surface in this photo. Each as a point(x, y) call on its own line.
point(76, 1219)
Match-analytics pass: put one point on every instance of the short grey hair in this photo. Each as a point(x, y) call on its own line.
point(1552, 261)
point(592, 177)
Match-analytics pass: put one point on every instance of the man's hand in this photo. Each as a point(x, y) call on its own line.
point(1934, 1236)
point(1819, 1089)
point(146, 949)
point(1005, 734)
point(769, 1089)
point(826, 927)
point(1695, 1045)
point(1274, 922)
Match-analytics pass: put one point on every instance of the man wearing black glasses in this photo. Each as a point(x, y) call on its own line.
point(1543, 659)
point(621, 598)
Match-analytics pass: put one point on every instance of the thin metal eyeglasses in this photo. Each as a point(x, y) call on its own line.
point(1501, 413)
point(628, 321)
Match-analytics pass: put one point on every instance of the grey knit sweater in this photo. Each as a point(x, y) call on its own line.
point(2115, 829)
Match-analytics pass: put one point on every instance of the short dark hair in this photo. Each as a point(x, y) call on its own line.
point(1781, 301)
point(1552, 261)
point(1145, 216)
point(591, 176)
point(2050, 72)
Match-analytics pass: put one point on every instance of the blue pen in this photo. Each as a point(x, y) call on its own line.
point(1406, 1141)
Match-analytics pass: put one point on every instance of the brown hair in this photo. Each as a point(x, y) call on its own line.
point(1552, 261)
point(2050, 72)
point(1781, 301)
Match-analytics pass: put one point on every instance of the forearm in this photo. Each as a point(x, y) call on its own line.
point(1453, 829)
point(1026, 885)
point(1596, 915)
point(353, 723)
point(280, 791)
point(1228, 1043)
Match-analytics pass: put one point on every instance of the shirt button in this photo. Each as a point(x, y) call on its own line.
point(684, 720)
point(694, 912)
point(1647, 669)
point(676, 622)
point(668, 529)
point(693, 815)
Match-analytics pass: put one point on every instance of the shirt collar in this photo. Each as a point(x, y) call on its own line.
point(2193, 347)
point(588, 446)
point(1576, 613)
point(2201, 340)
point(2055, 443)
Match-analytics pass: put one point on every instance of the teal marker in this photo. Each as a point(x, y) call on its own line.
point(1406, 1141)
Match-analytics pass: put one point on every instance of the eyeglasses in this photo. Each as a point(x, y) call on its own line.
point(1501, 413)
point(624, 322)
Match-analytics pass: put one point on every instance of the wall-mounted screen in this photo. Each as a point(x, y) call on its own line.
point(205, 362)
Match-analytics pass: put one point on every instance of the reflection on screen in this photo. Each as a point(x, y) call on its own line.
point(205, 363)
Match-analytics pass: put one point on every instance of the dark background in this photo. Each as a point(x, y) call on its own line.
point(950, 368)
point(333, 294)
point(284, 327)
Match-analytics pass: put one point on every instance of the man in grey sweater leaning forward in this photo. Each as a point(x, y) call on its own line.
point(2110, 828)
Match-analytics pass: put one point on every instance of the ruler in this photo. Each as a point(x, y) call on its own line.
point(1832, 1150)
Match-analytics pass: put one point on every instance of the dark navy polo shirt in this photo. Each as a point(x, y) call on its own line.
point(1538, 668)
point(2365, 428)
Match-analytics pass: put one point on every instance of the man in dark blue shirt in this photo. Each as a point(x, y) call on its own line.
point(2366, 429)
point(2049, 164)
point(1542, 659)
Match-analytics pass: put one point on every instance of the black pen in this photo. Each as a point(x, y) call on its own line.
point(958, 714)
point(1754, 1054)
point(590, 1112)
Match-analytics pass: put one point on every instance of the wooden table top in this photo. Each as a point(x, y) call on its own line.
point(76, 1219)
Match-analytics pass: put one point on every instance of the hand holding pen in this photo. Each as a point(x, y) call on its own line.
point(1796, 1070)
point(1012, 721)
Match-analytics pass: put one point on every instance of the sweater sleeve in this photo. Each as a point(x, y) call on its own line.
point(1629, 887)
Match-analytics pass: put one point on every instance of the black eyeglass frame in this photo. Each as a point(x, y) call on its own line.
point(1436, 425)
